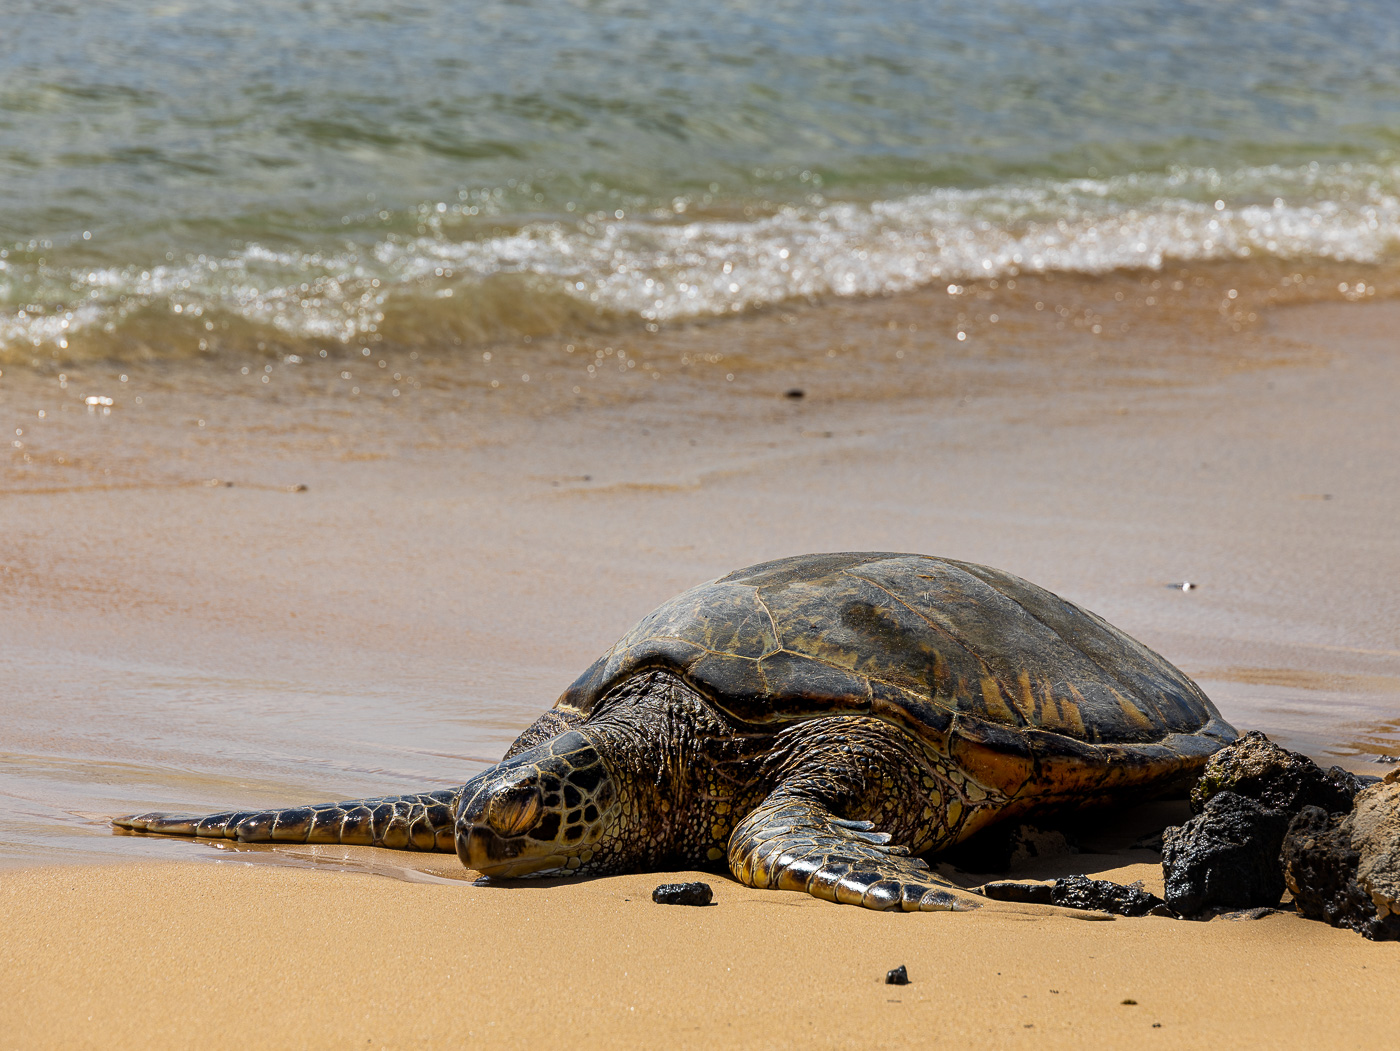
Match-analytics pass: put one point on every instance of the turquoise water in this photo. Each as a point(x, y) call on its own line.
point(180, 177)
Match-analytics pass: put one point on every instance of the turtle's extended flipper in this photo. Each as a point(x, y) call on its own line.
point(792, 843)
point(415, 822)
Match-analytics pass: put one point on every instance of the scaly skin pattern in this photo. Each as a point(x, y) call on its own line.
point(675, 776)
point(657, 778)
point(413, 822)
point(790, 843)
point(680, 779)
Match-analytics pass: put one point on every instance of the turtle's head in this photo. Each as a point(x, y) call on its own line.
point(543, 812)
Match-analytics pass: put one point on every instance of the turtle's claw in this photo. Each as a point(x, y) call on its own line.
point(858, 826)
point(792, 843)
point(877, 838)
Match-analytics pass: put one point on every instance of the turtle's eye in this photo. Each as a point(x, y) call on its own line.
point(514, 809)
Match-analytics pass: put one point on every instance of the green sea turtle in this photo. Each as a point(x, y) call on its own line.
point(821, 723)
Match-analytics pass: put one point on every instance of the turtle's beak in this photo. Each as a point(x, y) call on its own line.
point(493, 820)
point(480, 849)
point(540, 812)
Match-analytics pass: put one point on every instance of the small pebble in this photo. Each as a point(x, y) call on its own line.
point(794, 393)
point(898, 976)
point(682, 894)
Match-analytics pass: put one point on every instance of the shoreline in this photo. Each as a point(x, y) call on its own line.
point(451, 566)
point(180, 569)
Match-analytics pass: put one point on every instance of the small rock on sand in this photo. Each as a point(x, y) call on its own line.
point(1024, 893)
point(683, 894)
point(1079, 892)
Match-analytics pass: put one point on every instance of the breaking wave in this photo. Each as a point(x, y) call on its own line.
point(485, 281)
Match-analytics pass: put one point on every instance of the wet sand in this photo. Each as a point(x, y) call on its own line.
point(460, 552)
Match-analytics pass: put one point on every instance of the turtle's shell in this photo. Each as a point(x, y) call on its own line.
point(1025, 690)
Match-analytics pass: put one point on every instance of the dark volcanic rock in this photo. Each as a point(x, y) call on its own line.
point(1345, 869)
point(682, 894)
point(897, 976)
point(1257, 768)
point(1081, 892)
point(1226, 857)
point(1352, 783)
point(1319, 866)
point(1078, 892)
point(1025, 893)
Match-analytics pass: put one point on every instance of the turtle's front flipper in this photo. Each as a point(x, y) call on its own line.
point(415, 822)
point(794, 843)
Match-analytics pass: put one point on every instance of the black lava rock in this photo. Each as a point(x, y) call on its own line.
point(1101, 895)
point(683, 894)
point(1320, 866)
point(1025, 893)
point(1351, 783)
point(1257, 768)
point(1226, 857)
point(898, 976)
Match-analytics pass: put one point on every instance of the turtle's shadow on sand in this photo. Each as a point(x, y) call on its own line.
point(1074, 844)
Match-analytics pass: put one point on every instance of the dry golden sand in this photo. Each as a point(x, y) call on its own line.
point(449, 549)
point(230, 955)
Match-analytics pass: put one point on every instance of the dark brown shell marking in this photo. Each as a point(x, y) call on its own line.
point(966, 658)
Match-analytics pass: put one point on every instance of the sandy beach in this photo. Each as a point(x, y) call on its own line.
point(235, 956)
point(369, 369)
point(393, 584)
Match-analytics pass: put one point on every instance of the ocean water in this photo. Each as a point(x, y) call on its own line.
point(179, 179)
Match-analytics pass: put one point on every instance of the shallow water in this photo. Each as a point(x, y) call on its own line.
point(87, 738)
point(353, 174)
point(171, 641)
point(274, 244)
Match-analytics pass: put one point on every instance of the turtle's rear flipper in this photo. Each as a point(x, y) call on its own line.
point(792, 843)
point(415, 822)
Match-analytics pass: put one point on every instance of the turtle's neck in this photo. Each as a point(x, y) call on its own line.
point(684, 775)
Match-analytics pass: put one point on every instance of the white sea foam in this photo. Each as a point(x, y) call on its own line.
point(662, 269)
point(669, 271)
